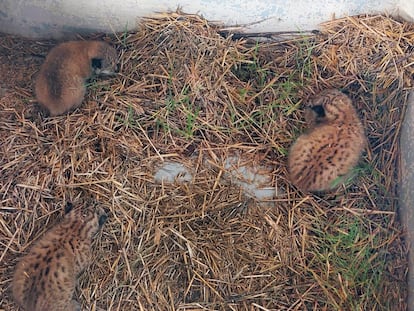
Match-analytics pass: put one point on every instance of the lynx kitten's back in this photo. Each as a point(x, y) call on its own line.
point(331, 147)
point(60, 83)
point(45, 278)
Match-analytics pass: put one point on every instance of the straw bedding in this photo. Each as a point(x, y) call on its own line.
point(188, 94)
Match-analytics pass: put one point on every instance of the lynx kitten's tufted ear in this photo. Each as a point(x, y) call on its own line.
point(68, 207)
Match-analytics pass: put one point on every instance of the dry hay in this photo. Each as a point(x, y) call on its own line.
point(187, 94)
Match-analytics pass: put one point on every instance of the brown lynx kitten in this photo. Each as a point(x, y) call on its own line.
point(45, 279)
point(332, 145)
point(60, 83)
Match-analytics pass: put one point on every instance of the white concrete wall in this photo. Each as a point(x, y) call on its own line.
point(57, 18)
point(407, 191)
point(406, 9)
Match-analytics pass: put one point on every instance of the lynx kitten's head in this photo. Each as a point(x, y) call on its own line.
point(108, 63)
point(329, 105)
point(92, 218)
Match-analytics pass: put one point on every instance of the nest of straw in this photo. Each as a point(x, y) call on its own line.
point(189, 95)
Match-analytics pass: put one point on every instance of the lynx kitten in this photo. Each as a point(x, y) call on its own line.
point(60, 83)
point(44, 279)
point(331, 147)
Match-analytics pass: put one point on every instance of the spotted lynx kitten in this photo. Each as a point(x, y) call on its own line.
point(45, 279)
point(60, 83)
point(324, 155)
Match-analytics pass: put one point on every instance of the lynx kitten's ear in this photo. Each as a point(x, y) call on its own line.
point(68, 207)
point(102, 219)
point(320, 112)
point(96, 63)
